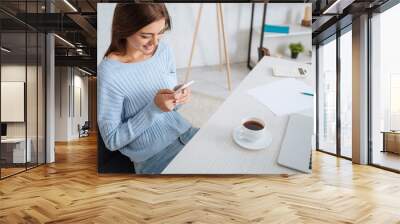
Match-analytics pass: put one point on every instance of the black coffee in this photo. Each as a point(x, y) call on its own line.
point(253, 125)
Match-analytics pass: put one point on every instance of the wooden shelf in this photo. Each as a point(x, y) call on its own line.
point(302, 58)
point(294, 30)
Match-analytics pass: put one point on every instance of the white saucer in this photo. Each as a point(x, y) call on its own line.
point(262, 143)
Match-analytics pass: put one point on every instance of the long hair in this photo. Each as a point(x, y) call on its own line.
point(131, 17)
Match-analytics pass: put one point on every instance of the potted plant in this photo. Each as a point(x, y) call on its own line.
point(295, 49)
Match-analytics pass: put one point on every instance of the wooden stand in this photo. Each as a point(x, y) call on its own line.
point(220, 21)
point(307, 17)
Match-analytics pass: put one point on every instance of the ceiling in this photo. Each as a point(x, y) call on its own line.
point(332, 15)
point(74, 21)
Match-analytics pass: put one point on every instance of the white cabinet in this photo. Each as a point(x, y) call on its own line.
point(17, 145)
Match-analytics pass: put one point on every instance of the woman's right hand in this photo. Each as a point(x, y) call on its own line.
point(165, 99)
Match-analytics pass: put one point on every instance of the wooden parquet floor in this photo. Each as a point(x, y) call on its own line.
point(71, 191)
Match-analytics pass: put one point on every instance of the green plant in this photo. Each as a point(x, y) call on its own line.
point(296, 48)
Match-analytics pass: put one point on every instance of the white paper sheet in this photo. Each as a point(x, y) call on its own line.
point(284, 96)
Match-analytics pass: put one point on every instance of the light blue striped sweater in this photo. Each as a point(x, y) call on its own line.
point(128, 119)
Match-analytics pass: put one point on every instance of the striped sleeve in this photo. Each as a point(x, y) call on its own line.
point(115, 132)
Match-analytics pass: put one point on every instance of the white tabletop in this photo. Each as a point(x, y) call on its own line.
point(213, 151)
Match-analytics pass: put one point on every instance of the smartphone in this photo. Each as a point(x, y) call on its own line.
point(183, 86)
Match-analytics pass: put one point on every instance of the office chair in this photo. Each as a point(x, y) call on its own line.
point(112, 161)
point(84, 129)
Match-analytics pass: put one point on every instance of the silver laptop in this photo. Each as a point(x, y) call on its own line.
point(296, 146)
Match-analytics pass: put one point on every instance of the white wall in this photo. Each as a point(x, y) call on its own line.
point(105, 13)
point(66, 121)
point(33, 126)
point(280, 14)
point(237, 27)
point(183, 16)
point(61, 103)
point(15, 72)
point(80, 83)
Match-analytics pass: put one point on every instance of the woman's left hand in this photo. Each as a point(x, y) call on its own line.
point(184, 96)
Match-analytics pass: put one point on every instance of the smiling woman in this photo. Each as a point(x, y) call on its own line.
point(129, 19)
point(137, 108)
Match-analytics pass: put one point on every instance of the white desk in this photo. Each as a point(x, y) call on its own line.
point(18, 149)
point(213, 151)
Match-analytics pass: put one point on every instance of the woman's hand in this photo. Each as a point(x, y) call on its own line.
point(165, 99)
point(184, 96)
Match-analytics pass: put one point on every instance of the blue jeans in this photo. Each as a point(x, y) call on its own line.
point(157, 163)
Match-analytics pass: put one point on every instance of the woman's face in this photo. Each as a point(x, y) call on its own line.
point(146, 39)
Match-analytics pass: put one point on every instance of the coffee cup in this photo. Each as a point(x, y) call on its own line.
point(252, 129)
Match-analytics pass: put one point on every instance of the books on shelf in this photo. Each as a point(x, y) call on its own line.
point(276, 29)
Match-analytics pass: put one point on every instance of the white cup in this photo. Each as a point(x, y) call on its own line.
point(252, 129)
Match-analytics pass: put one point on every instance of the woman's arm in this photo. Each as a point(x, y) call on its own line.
point(172, 71)
point(115, 132)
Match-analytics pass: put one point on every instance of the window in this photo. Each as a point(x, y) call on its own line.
point(334, 106)
point(327, 97)
point(346, 94)
point(385, 89)
point(22, 77)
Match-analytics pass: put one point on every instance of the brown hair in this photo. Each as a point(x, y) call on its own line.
point(131, 17)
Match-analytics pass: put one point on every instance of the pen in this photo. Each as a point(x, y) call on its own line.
point(307, 94)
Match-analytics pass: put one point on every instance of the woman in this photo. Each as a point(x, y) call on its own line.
point(137, 110)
